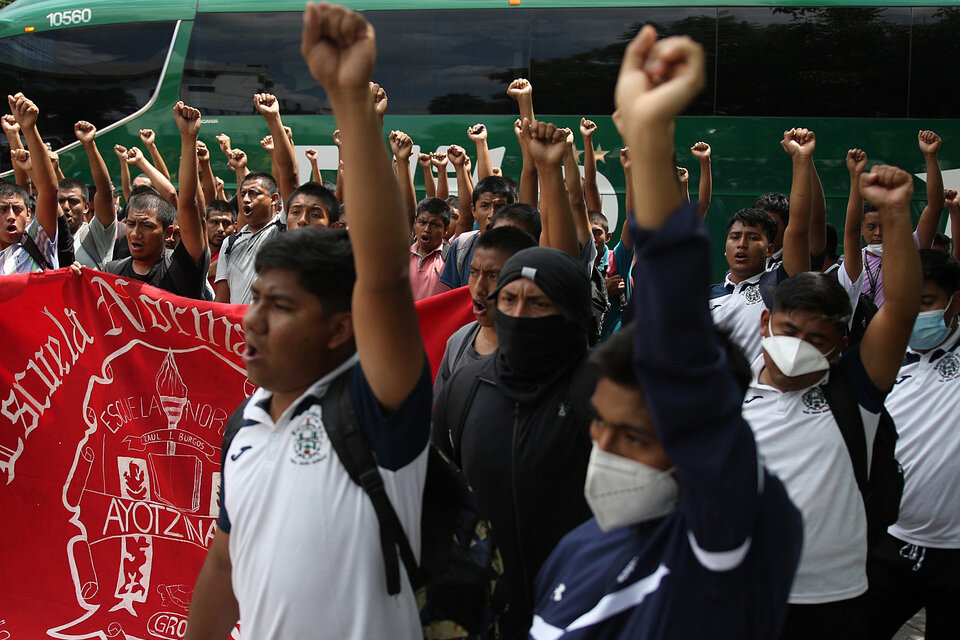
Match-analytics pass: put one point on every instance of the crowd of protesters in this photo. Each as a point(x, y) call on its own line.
point(658, 455)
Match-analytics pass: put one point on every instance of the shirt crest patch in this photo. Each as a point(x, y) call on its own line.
point(948, 367)
point(308, 439)
point(752, 294)
point(814, 401)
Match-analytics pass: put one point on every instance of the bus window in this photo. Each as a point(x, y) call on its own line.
point(933, 91)
point(576, 54)
point(813, 62)
point(101, 74)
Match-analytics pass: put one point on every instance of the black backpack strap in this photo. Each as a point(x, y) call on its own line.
point(462, 404)
point(346, 438)
point(234, 422)
point(846, 411)
point(34, 252)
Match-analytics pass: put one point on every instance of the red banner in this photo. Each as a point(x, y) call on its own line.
point(113, 400)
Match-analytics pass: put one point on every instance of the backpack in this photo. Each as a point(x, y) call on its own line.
point(862, 315)
point(465, 242)
point(882, 490)
point(457, 585)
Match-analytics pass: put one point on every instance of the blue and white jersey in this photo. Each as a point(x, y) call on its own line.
point(721, 563)
point(736, 308)
point(304, 538)
point(925, 406)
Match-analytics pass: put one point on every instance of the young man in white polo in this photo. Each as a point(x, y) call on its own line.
point(917, 564)
point(297, 553)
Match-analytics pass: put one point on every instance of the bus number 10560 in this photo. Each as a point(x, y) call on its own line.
point(76, 16)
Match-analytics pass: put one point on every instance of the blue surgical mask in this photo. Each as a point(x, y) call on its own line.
point(929, 330)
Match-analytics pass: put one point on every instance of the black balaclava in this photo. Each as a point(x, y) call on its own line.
point(534, 353)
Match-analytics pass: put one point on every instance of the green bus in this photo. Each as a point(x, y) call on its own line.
point(864, 73)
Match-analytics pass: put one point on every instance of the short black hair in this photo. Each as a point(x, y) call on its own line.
point(326, 197)
point(613, 358)
point(497, 185)
point(755, 218)
point(73, 183)
point(941, 269)
point(598, 217)
point(454, 202)
point(816, 292)
point(220, 206)
point(775, 202)
point(8, 188)
point(508, 240)
point(831, 248)
point(322, 259)
point(267, 180)
point(943, 240)
point(868, 207)
point(525, 216)
point(435, 206)
point(144, 198)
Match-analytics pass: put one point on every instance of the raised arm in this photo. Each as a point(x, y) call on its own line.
point(55, 161)
point(26, 114)
point(458, 158)
point(522, 91)
point(12, 130)
point(818, 213)
point(885, 341)
point(930, 217)
point(952, 200)
point(283, 157)
point(121, 152)
point(207, 180)
point(380, 101)
point(529, 182)
point(683, 177)
point(313, 159)
point(338, 190)
point(574, 186)
point(103, 200)
point(439, 160)
point(402, 146)
point(625, 236)
point(478, 135)
point(590, 189)
point(22, 167)
point(852, 256)
point(237, 162)
point(158, 180)
point(149, 139)
point(339, 48)
point(426, 168)
point(548, 144)
point(703, 153)
point(189, 214)
point(799, 143)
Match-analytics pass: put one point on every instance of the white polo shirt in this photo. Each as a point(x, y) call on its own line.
point(801, 444)
point(925, 405)
point(736, 308)
point(304, 539)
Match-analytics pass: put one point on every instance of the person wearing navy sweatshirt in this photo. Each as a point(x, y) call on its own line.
point(692, 536)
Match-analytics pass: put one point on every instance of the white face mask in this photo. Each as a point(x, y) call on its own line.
point(793, 356)
point(621, 491)
point(875, 249)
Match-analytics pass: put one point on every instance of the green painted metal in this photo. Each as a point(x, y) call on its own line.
point(748, 160)
point(16, 18)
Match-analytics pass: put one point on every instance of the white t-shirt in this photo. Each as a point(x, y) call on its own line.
point(236, 259)
point(801, 444)
point(925, 406)
point(304, 538)
point(102, 240)
point(736, 308)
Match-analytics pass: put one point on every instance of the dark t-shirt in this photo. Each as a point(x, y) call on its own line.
point(175, 272)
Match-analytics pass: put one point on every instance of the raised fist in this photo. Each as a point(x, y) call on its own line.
point(401, 144)
point(856, 161)
point(84, 131)
point(439, 160)
point(148, 136)
point(625, 158)
point(701, 151)
point(267, 143)
point(24, 111)
point(952, 199)
point(287, 130)
point(312, 155)
point(456, 155)
point(587, 128)
point(887, 187)
point(683, 175)
point(338, 46)
point(21, 159)
point(120, 150)
point(477, 133)
point(203, 154)
point(929, 142)
point(224, 141)
point(379, 99)
point(657, 80)
point(266, 104)
point(9, 124)
point(520, 87)
point(187, 118)
point(237, 160)
point(799, 142)
point(423, 159)
point(545, 141)
point(336, 138)
point(134, 156)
